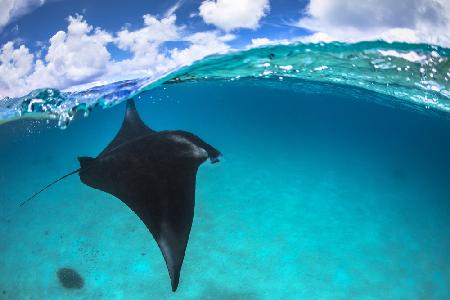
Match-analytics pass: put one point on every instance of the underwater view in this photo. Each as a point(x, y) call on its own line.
point(312, 165)
point(324, 190)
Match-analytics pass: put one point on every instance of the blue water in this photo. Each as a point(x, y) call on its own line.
point(415, 75)
point(324, 192)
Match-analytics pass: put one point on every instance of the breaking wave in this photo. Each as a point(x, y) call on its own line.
point(411, 74)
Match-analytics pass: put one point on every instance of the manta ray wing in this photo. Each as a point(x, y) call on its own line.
point(154, 174)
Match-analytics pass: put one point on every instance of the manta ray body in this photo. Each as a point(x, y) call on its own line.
point(154, 174)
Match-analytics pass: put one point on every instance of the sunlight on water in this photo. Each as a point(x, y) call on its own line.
point(414, 74)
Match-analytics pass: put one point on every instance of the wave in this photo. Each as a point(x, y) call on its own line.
point(413, 74)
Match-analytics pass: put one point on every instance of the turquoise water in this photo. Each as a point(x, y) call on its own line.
point(415, 75)
point(326, 191)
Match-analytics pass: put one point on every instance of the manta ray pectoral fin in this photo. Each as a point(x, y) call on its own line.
point(161, 195)
point(173, 252)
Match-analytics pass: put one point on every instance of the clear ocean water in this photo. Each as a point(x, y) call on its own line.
point(334, 183)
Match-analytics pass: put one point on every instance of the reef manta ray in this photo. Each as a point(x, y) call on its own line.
point(154, 174)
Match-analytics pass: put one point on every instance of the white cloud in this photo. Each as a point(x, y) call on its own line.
point(173, 9)
point(74, 56)
point(425, 21)
point(15, 65)
point(144, 44)
point(80, 55)
point(11, 9)
point(154, 32)
point(202, 44)
point(259, 42)
point(231, 14)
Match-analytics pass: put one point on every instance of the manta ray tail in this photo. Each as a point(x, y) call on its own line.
point(47, 186)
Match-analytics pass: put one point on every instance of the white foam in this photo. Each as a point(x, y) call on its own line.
point(409, 56)
point(287, 68)
point(321, 68)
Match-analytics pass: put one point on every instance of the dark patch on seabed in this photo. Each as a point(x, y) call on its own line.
point(70, 279)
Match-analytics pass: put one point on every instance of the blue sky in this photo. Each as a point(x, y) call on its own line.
point(43, 22)
point(66, 43)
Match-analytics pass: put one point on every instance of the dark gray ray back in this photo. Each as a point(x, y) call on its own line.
point(159, 186)
point(154, 174)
